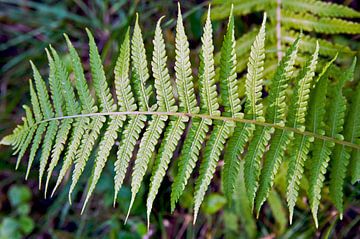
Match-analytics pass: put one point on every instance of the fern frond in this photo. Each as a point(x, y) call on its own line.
point(164, 94)
point(66, 125)
point(139, 68)
point(234, 148)
point(106, 104)
point(355, 166)
point(79, 127)
point(307, 22)
point(208, 104)
point(172, 137)
point(321, 149)
point(228, 82)
point(72, 108)
point(83, 153)
point(87, 101)
point(254, 107)
point(301, 143)
point(213, 149)
point(105, 146)
point(183, 73)
point(77, 149)
point(256, 149)
point(35, 145)
point(279, 84)
point(231, 102)
point(254, 81)
point(341, 154)
point(40, 129)
point(324, 9)
point(273, 158)
point(135, 124)
point(42, 92)
point(59, 146)
point(57, 98)
point(188, 157)
point(29, 135)
point(166, 101)
point(98, 76)
point(127, 144)
point(208, 94)
point(296, 169)
point(146, 149)
point(126, 100)
point(308, 44)
point(297, 111)
point(47, 110)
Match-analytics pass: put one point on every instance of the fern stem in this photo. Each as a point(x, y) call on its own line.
point(212, 117)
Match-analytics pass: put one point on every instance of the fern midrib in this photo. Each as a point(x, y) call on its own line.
point(212, 117)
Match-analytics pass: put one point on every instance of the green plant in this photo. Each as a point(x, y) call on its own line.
point(317, 20)
point(73, 120)
point(18, 224)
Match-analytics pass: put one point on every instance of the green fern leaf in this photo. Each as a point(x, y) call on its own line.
point(321, 149)
point(166, 103)
point(40, 129)
point(98, 75)
point(184, 79)
point(30, 133)
point(212, 152)
point(307, 22)
point(253, 157)
point(83, 126)
point(139, 68)
point(126, 102)
point(146, 149)
point(325, 9)
point(230, 98)
point(72, 108)
point(56, 95)
point(105, 146)
point(301, 143)
point(59, 146)
point(42, 93)
point(228, 83)
point(127, 144)
point(234, 148)
point(47, 110)
point(207, 87)
point(87, 101)
point(341, 155)
point(254, 81)
point(188, 157)
point(276, 114)
point(84, 151)
point(172, 137)
point(107, 104)
point(164, 96)
point(254, 110)
point(208, 104)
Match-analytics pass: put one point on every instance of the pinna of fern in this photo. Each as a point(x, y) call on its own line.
point(288, 19)
point(68, 118)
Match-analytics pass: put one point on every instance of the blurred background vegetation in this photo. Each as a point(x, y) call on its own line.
point(26, 28)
